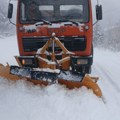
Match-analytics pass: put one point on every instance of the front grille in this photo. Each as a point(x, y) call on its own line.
point(31, 44)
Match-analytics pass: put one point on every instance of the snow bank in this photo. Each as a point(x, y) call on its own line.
point(21, 100)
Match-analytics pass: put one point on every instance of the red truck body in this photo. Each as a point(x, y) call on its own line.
point(84, 31)
point(71, 21)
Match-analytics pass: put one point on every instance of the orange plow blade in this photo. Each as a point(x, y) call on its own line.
point(89, 82)
point(4, 72)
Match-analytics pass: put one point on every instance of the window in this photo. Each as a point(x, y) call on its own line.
point(71, 11)
point(23, 11)
point(33, 10)
point(46, 10)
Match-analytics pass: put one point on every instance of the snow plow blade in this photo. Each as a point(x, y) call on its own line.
point(89, 82)
point(4, 72)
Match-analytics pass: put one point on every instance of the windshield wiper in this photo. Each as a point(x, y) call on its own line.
point(73, 22)
point(44, 21)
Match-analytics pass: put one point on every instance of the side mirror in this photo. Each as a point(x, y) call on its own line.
point(10, 10)
point(99, 12)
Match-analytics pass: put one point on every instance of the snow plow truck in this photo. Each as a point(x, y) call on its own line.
point(55, 43)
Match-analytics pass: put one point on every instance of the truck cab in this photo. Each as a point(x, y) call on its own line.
point(71, 21)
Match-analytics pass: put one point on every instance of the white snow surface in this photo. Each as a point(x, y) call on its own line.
point(22, 100)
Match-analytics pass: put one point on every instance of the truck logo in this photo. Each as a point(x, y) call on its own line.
point(57, 31)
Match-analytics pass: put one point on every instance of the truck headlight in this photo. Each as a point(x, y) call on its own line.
point(28, 61)
point(82, 61)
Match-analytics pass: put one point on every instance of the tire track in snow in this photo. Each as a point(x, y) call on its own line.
point(107, 87)
point(107, 74)
point(106, 81)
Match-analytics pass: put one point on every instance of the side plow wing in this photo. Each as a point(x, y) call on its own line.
point(4, 72)
point(89, 82)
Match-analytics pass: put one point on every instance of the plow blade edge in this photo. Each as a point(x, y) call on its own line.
point(89, 82)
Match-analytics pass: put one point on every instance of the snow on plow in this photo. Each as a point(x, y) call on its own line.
point(45, 69)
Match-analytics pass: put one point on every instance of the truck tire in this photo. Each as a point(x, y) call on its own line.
point(88, 69)
point(83, 70)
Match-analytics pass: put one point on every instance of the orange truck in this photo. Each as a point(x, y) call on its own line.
point(71, 21)
point(55, 34)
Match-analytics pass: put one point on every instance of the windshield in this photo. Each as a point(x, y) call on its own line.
point(32, 11)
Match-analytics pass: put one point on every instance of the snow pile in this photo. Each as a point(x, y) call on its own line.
point(21, 100)
point(30, 28)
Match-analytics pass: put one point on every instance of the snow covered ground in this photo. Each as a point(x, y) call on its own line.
point(24, 101)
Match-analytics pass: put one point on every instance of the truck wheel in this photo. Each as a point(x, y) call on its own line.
point(88, 69)
point(85, 69)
